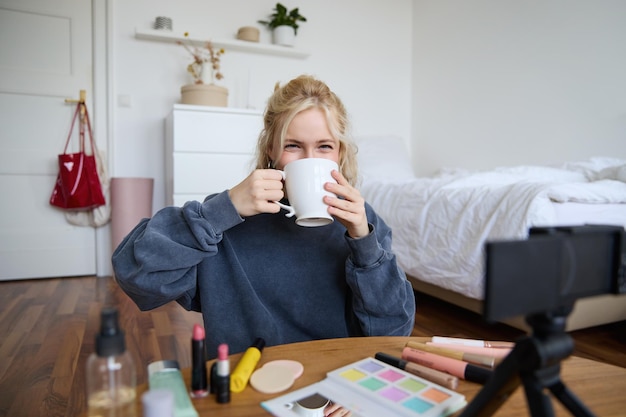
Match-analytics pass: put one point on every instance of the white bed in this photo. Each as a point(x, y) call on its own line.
point(441, 223)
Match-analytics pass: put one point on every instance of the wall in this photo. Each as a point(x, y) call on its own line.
point(517, 82)
point(362, 49)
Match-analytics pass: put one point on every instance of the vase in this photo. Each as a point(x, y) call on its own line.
point(284, 35)
point(131, 201)
point(206, 73)
point(204, 95)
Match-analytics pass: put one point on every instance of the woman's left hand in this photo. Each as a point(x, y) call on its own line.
point(336, 410)
point(348, 210)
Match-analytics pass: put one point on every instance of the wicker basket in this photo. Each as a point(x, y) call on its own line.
point(248, 33)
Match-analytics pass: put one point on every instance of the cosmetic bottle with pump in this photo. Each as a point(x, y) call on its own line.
point(111, 376)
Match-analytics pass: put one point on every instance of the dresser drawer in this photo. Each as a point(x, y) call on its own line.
point(201, 173)
point(208, 150)
point(198, 131)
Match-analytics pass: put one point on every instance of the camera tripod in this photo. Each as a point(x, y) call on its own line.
point(535, 362)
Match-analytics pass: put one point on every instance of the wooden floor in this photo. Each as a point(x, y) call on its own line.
point(47, 332)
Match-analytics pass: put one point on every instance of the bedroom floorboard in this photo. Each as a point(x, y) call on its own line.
point(47, 328)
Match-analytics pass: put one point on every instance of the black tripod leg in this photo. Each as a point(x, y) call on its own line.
point(497, 390)
point(538, 402)
point(569, 400)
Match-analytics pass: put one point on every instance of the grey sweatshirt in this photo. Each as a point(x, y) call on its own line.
point(264, 276)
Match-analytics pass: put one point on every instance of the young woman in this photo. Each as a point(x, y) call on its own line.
point(253, 272)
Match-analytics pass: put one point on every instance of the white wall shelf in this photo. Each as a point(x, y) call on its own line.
point(227, 44)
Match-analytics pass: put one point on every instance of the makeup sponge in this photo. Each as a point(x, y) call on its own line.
point(296, 367)
point(276, 376)
point(271, 380)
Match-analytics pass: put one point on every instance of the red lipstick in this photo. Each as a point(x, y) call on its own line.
point(199, 384)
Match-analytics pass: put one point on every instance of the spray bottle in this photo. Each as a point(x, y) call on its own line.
point(111, 376)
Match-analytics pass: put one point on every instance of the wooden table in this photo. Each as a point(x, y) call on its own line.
point(600, 386)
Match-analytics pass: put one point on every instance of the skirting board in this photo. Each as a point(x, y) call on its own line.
point(588, 312)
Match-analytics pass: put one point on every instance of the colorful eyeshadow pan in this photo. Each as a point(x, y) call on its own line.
point(435, 395)
point(394, 394)
point(353, 375)
point(412, 385)
point(391, 375)
point(371, 367)
point(373, 384)
point(396, 388)
point(417, 405)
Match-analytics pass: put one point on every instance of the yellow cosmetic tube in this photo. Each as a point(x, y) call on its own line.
point(241, 374)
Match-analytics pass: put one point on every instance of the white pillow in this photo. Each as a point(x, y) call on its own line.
point(383, 158)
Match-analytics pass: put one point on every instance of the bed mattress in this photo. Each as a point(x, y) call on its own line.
point(440, 223)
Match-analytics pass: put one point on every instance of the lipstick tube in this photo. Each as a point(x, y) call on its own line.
point(460, 369)
point(442, 378)
point(222, 375)
point(199, 383)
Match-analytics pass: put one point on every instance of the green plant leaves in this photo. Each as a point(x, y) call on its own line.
point(283, 17)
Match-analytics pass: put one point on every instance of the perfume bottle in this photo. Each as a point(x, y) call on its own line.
point(111, 375)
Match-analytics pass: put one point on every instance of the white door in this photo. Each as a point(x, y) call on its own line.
point(45, 57)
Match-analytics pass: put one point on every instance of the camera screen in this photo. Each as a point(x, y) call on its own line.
point(551, 269)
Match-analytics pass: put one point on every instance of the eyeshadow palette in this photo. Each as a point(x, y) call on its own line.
point(370, 387)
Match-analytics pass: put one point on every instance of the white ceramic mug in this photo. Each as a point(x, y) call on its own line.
point(304, 182)
point(311, 406)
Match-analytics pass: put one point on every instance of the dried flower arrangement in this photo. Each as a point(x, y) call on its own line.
point(202, 56)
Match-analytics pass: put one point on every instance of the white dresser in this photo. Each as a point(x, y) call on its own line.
point(208, 150)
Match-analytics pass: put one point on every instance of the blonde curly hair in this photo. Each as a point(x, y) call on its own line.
point(303, 93)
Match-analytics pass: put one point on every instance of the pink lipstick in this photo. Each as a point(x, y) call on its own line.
point(199, 384)
point(222, 377)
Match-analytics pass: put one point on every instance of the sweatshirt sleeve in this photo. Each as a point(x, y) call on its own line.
point(157, 261)
point(383, 299)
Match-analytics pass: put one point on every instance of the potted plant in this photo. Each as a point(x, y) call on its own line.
point(284, 24)
point(205, 70)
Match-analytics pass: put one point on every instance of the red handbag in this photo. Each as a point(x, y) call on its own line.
point(78, 186)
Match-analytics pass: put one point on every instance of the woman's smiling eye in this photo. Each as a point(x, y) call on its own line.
point(322, 146)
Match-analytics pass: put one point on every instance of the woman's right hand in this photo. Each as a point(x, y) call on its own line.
point(257, 193)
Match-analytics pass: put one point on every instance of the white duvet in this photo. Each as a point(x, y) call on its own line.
point(441, 223)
